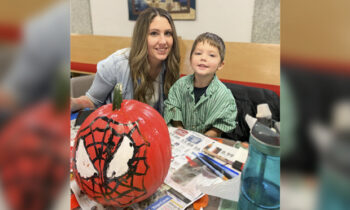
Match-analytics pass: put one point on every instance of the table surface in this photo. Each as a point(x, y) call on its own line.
point(214, 202)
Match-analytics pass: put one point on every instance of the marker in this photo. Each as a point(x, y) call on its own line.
point(224, 169)
point(190, 161)
point(238, 165)
point(211, 167)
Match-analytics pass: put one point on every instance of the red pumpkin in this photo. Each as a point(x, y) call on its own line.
point(122, 156)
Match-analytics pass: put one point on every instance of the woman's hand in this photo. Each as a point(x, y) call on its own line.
point(80, 103)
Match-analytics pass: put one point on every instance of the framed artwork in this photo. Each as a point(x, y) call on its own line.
point(179, 9)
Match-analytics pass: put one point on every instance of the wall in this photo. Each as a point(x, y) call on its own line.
point(110, 17)
point(266, 22)
point(233, 20)
point(81, 17)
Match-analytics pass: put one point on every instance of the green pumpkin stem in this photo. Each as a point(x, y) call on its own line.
point(117, 96)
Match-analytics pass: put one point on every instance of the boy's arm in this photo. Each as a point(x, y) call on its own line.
point(172, 111)
point(213, 132)
point(224, 118)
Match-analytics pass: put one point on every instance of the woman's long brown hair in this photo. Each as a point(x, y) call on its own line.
point(138, 59)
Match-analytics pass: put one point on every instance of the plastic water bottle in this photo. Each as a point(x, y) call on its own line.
point(260, 180)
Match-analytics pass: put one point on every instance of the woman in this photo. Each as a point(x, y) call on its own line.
point(147, 70)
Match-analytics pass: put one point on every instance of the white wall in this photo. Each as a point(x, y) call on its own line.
point(231, 19)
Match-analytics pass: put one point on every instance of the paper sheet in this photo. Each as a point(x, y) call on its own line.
point(241, 155)
point(228, 190)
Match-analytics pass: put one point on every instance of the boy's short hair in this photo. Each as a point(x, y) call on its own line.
point(213, 40)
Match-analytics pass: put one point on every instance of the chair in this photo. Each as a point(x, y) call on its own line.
point(80, 84)
point(247, 99)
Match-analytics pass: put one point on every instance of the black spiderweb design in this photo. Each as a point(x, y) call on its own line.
point(105, 136)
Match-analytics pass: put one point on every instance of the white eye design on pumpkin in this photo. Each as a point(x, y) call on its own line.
point(119, 163)
point(84, 165)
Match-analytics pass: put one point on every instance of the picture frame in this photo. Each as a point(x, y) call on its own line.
point(178, 9)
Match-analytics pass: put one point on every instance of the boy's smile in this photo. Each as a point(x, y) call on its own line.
point(202, 67)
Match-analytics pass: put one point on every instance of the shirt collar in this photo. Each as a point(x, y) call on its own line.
point(211, 88)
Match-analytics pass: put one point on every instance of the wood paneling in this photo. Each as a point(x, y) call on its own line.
point(92, 48)
point(246, 62)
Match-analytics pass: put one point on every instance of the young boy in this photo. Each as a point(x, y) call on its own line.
point(200, 102)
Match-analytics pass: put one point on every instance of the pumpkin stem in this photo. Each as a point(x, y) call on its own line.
point(117, 96)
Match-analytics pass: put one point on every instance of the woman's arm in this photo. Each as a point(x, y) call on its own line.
point(80, 103)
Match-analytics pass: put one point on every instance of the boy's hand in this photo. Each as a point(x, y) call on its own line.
point(213, 132)
point(177, 124)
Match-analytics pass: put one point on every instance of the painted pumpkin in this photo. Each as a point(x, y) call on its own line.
point(121, 156)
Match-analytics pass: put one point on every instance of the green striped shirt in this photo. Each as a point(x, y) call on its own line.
point(216, 107)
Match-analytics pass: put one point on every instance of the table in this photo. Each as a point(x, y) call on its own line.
point(213, 203)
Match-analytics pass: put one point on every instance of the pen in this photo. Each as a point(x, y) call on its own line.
point(210, 167)
point(228, 175)
point(224, 168)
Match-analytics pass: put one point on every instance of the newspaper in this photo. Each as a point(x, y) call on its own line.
point(186, 171)
point(165, 198)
